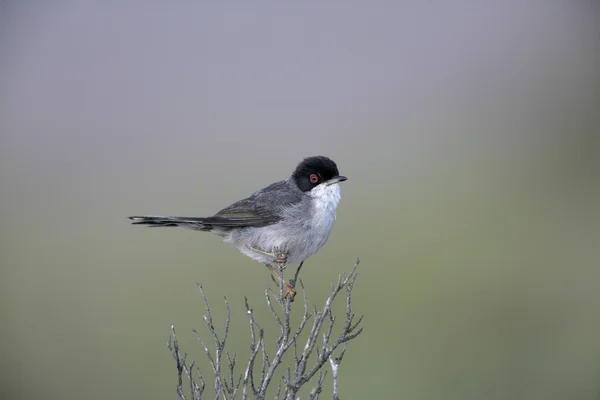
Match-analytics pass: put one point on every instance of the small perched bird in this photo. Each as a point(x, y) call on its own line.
point(283, 223)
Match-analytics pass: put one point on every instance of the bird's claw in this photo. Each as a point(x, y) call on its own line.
point(289, 292)
point(279, 258)
point(281, 261)
point(289, 288)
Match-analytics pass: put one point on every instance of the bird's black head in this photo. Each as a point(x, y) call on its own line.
point(314, 171)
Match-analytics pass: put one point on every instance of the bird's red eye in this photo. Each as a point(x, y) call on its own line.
point(314, 178)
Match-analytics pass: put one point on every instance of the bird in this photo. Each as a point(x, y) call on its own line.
point(280, 224)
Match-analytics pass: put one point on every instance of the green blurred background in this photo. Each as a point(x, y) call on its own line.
point(469, 133)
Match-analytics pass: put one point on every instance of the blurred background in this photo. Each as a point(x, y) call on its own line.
point(470, 133)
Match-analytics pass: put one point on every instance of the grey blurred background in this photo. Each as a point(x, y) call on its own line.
point(469, 132)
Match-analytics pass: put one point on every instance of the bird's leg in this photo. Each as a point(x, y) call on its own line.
point(293, 281)
point(288, 290)
point(279, 258)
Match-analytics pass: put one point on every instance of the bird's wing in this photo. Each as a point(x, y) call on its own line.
point(262, 208)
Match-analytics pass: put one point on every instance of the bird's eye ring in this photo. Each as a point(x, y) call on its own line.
point(314, 178)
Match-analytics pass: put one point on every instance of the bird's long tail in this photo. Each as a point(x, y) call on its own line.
point(154, 221)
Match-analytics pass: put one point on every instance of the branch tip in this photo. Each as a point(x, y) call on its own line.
point(229, 386)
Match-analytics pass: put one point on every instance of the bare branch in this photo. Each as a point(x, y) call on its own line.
point(195, 390)
point(346, 335)
point(335, 363)
point(295, 376)
point(314, 394)
point(255, 347)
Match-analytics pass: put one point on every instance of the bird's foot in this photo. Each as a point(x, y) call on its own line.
point(280, 260)
point(288, 291)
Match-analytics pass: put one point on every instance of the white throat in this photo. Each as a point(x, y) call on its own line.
point(326, 198)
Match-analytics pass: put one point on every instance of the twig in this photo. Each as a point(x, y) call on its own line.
point(335, 363)
point(349, 332)
point(195, 390)
point(295, 376)
point(314, 394)
point(219, 345)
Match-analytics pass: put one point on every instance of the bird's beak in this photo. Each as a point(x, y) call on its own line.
point(336, 179)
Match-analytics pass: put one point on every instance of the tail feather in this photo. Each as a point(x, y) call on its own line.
point(153, 221)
